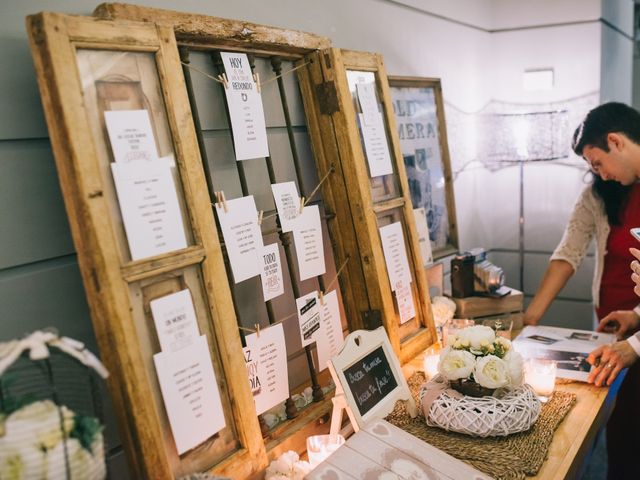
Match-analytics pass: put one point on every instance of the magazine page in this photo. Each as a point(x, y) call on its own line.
point(568, 347)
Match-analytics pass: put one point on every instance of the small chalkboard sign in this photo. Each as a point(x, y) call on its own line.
point(368, 379)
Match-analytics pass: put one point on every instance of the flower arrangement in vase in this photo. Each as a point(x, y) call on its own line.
point(475, 362)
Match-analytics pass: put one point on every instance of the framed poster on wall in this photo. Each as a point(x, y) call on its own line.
point(419, 111)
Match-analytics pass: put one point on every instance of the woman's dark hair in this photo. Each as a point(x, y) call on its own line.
point(614, 196)
point(612, 117)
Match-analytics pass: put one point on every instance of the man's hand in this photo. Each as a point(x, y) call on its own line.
point(620, 322)
point(609, 360)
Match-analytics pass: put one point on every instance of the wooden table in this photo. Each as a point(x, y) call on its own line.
point(575, 435)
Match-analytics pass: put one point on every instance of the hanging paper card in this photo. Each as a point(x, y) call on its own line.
point(404, 297)
point(423, 235)
point(245, 108)
point(330, 340)
point(309, 317)
point(375, 146)
point(368, 103)
point(149, 206)
point(266, 359)
point(190, 394)
point(242, 237)
point(287, 203)
point(175, 320)
point(307, 237)
point(131, 135)
point(272, 282)
point(395, 255)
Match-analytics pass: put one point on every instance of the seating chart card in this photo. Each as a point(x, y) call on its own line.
point(404, 297)
point(375, 146)
point(272, 281)
point(307, 237)
point(130, 135)
point(266, 359)
point(287, 203)
point(395, 255)
point(422, 227)
point(330, 340)
point(149, 207)
point(242, 237)
point(308, 307)
point(190, 394)
point(245, 108)
point(175, 320)
point(368, 102)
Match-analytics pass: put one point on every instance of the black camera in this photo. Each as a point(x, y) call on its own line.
point(472, 273)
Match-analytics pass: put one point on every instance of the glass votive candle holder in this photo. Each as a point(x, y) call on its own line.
point(453, 326)
point(540, 373)
point(431, 359)
point(501, 325)
point(319, 447)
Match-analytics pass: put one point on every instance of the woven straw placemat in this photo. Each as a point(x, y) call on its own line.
point(505, 458)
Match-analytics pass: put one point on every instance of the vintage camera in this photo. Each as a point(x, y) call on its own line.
point(471, 273)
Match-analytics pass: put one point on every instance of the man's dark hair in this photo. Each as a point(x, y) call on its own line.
point(612, 117)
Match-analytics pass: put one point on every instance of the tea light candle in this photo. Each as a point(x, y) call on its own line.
point(431, 359)
point(541, 375)
point(319, 447)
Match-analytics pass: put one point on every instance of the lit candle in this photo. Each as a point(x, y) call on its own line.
point(541, 375)
point(319, 447)
point(431, 359)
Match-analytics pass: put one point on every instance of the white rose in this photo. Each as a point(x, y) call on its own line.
point(491, 372)
point(476, 335)
point(20, 460)
point(83, 464)
point(455, 364)
point(514, 365)
point(42, 421)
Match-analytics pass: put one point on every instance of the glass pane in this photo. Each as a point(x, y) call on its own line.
point(383, 187)
point(128, 82)
point(418, 129)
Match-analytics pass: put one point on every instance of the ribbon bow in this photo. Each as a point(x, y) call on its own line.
point(432, 390)
point(38, 344)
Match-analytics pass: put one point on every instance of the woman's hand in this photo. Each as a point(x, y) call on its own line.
point(620, 322)
point(609, 360)
point(635, 267)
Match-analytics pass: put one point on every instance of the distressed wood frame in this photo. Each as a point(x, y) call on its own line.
point(108, 279)
point(435, 83)
point(335, 128)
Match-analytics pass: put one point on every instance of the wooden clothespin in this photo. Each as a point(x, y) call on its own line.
point(260, 215)
point(301, 204)
point(256, 78)
point(321, 297)
point(223, 200)
point(223, 79)
point(257, 327)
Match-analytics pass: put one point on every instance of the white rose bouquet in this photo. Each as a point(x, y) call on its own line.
point(476, 356)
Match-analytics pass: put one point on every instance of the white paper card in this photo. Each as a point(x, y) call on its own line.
point(131, 135)
point(330, 340)
point(175, 320)
point(422, 228)
point(287, 203)
point(272, 282)
point(149, 206)
point(242, 237)
point(190, 393)
point(308, 308)
point(307, 237)
point(376, 146)
point(404, 297)
point(245, 108)
point(368, 103)
point(266, 359)
point(395, 255)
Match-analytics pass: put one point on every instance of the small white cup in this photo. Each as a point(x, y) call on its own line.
point(319, 447)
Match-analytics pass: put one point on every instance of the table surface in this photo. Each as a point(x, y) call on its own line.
point(575, 435)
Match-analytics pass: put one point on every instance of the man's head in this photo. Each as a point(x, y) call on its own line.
point(609, 140)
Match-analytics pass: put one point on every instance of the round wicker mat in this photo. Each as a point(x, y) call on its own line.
point(504, 458)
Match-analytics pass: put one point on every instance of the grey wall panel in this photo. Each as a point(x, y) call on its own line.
point(568, 314)
point(32, 215)
point(578, 287)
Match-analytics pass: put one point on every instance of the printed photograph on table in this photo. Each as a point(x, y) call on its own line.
point(419, 111)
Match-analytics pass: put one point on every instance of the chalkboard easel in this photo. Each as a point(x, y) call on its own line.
point(368, 380)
